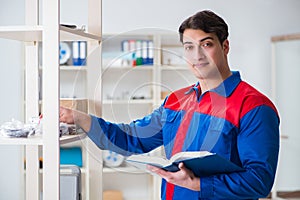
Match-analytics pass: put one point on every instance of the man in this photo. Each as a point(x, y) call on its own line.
point(220, 113)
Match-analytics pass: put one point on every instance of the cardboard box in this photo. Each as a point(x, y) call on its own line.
point(77, 104)
point(112, 195)
point(164, 94)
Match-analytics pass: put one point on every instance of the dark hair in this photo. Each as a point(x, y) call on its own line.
point(206, 21)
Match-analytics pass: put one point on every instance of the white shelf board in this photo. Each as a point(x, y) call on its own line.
point(148, 67)
point(74, 99)
point(21, 33)
point(130, 101)
point(38, 140)
point(67, 170)
point(145, 32)
point(70, 68)
point(32, 140)
point(71, 138)
point(68, 34)
point(123, 170)
point(141, 67)
point(83, 170)
point(34, 33)
point(174, 67)
point(73, 68)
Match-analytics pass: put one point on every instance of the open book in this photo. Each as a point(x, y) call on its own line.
point(202, 163)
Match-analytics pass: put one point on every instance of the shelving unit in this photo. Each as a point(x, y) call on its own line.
point(50, 33)
point(123, 82)
point(151, 82)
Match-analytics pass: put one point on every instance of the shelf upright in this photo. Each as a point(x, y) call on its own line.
point(32, 101)
point(93, 153)
point(50, 77)
point(156, 72)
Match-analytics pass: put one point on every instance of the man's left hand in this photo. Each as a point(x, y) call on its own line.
point(184, 177)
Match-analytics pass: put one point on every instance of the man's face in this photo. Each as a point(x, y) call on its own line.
point(207, 58)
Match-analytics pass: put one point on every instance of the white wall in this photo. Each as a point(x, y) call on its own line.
point(251, 24)
point(11, 13)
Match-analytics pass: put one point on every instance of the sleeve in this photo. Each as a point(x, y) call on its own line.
point(258, 148)
point(139, 136)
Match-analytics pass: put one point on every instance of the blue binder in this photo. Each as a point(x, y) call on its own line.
point(71, 156)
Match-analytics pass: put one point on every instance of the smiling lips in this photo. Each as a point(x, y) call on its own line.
point(200, 65)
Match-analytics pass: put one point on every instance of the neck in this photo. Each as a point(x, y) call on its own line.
point(211, 83)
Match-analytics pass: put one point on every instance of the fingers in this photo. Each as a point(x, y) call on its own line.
point(61, 114)
point(156, 169)
point(65, 115)
point(168, 176)
point(184, 177)
point(185, 170)
point(181, 166)
point(151, 168)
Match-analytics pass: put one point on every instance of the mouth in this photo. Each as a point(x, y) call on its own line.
point(200, 65)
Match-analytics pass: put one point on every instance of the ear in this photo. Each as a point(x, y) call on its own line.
point(226, 46)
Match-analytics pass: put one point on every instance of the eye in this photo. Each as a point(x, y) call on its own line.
point(188, 47)
point(207, 44)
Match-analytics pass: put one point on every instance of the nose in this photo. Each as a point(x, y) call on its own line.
point(199, 53)
point(196, 54)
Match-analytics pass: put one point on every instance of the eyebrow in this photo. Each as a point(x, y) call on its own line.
point(206, 38)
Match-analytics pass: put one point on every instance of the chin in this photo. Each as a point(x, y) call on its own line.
point(199, 76)
point(198, 72)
